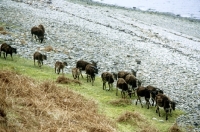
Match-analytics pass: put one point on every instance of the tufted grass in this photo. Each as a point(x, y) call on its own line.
point(124, 112)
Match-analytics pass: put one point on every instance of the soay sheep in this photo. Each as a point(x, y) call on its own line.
point(40, 57)
point(143, 92)
point(164, 101)
point(107, 77)
point(132, 82)
point(39, 32)
point(121, 84)
point(76, 73)
point(81, 64)
point(7, 49)
point(154, 91)
point(91, 70)
point(60, 66)
point(122, 74)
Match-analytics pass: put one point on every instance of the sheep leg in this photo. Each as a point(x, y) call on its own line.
point(158, 111)
point(81, 73)
point(147, 102)
point(167, 115)
point(92, 78)
point(140, 101)
point(87, 77)
point(123, 94)
point(104, 85)
point(10, 55)
point(116, 91)
point(109, 86)
point(58, 70)
point(4, 56)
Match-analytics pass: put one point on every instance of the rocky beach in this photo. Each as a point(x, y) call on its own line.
point(167, 46)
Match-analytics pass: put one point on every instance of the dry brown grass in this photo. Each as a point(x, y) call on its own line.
point(1, 28)
point(121, 102)
point(27, 105)
point(64, 80)
point(136, 119)
point(2, 31)
point(175, 128)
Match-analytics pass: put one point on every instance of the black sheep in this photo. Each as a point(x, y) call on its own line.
point(143, 92)
point(82, 65)
point(40, 57)
point(91, 70)
point(133, 82)
point(107, 77)
point(7, 49)
point(121, 84)
point(39, 32)
point(154, 91)
point(163, 101)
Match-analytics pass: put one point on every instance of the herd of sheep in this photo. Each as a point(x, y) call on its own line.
point(126, 81)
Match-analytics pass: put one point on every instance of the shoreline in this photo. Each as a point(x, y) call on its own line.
point(148, 10)
point(176, 19)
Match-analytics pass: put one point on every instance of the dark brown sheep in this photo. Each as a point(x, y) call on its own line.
point(122, 74)
point(60, 66)
point(107, 77)
point(39, 32)
point(82, 65)
point(76, 73)
point(143, 92)
point(40, 57)
point(7, 49)
point(132, 82)
point(42, 27)
point(154, 91)
point(163, 101)
point(91, 70)
point(121, 84)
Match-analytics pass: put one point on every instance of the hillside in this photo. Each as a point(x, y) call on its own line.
point(167, 46)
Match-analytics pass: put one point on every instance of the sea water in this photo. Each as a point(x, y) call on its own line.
point(182, 8)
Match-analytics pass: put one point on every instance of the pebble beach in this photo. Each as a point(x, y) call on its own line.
point(167, 46)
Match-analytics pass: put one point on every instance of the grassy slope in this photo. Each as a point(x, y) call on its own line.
point(103, 98)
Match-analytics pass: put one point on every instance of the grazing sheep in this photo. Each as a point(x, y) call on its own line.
point(163, 101)
point(39, 32)
point(132, 82)
point(154, 91)
point(76, 73)
point(40, 57)
point(143, 92)
point(121, 84)
point(60, 66)
point(91, 70)
point(82, 65)
point(7, 49)
point(107, 77)
point(42, 27)
point(122, 74)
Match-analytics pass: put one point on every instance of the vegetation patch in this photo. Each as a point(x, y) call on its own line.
point(64, 80)
point(121, 102)
point(28, 105)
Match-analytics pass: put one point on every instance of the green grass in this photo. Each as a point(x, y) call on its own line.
point(95, 93)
